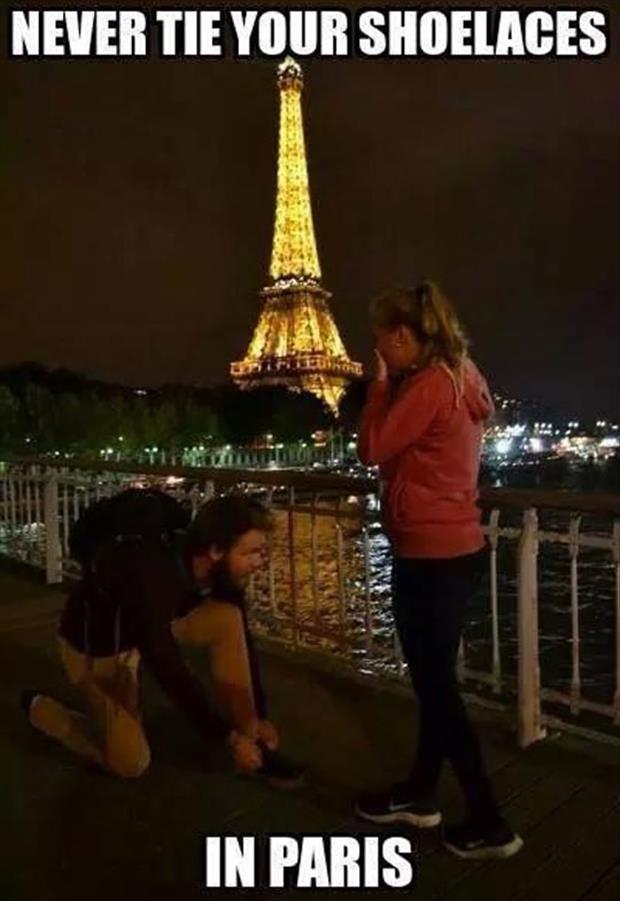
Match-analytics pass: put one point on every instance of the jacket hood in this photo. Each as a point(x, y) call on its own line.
point(470, 388)
point(476, 392)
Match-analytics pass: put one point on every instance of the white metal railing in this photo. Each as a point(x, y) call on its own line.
point(325, 584)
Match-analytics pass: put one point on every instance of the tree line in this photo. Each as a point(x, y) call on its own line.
point(43, 410)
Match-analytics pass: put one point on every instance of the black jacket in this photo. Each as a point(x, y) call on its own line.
point(129, 601)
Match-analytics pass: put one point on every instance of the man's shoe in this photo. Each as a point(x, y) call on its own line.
point(397, 805)
point(474, 842)
point(279, 770)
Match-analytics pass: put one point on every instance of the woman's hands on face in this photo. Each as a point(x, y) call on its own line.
point(381, 370)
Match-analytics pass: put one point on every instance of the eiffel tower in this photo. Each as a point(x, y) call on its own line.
point(296, 341)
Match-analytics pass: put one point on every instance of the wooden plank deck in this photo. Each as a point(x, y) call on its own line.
point(68, 832)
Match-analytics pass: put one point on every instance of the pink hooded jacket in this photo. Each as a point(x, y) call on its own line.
point(426, 441)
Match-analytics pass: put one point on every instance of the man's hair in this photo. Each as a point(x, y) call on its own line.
point(222, 521)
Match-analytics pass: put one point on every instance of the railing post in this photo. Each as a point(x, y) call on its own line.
point(340, 572)
point(292, 563)
point(53, 556)
point(573, 548)
point(530, 729)
point(493, 541)
point(616, 561)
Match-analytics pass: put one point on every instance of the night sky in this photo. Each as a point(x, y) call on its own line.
point(137, 203)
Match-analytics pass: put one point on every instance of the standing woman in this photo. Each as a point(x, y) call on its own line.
point(423, 427)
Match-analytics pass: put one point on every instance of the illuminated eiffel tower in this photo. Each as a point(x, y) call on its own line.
point(296, 342)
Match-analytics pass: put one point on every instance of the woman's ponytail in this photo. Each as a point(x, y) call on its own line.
point(430, 318)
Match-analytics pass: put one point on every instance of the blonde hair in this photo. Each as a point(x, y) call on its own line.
point(430, 315)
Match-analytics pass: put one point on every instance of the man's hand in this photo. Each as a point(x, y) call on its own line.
point(381, 370)
point(268, 734)
point(246, 753)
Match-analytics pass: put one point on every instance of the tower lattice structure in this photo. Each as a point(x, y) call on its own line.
point(296, 342)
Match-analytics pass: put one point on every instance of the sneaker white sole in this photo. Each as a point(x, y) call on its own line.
point(422, 821)
point(500, 852)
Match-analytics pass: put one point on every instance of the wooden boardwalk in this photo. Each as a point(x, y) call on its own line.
point(68, 832)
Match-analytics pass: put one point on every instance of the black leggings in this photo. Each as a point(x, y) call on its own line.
point(429, 599)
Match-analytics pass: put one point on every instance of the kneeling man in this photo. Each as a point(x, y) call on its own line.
point(139, 601)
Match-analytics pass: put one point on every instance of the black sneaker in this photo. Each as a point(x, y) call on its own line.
point(279, 770)
point(474, 842)
point(396, 805)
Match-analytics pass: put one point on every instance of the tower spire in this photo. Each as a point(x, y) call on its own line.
point(296, 342)
point(294, 254)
